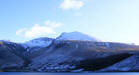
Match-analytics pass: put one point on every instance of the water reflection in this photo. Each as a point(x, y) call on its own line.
point(15, 73)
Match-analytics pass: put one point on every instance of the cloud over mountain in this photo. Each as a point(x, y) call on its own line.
point(39, 30)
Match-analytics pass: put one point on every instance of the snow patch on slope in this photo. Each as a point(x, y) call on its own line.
point(40, 42)
point(131, 63)
point(76, 36)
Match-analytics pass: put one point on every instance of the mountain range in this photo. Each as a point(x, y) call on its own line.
point(69, 52)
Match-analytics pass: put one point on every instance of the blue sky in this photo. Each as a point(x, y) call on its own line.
point(111, 20)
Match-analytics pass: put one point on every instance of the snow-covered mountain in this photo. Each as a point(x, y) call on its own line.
point(64, 54)
point(38, 43)
point(70, 52)
point(76, 36)
point(41, 42)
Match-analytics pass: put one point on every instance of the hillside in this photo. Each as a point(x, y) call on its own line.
point(68, 54)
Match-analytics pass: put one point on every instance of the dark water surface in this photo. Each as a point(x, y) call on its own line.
point(22, 73)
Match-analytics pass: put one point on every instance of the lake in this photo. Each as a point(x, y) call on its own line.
point(23, 73)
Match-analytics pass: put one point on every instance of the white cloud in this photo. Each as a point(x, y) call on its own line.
point(71, 4)
point(38, 30)
point(20, 31)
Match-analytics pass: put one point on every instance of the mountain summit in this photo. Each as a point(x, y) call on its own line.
point(76, 36)
point(36, 44)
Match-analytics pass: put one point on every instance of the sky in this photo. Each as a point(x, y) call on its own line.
point(109, 20)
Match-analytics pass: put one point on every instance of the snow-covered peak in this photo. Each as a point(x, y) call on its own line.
point(39, 42)
point(76, 36)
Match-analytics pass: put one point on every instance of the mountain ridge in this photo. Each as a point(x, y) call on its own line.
point(76, 36)
point(66, 53)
